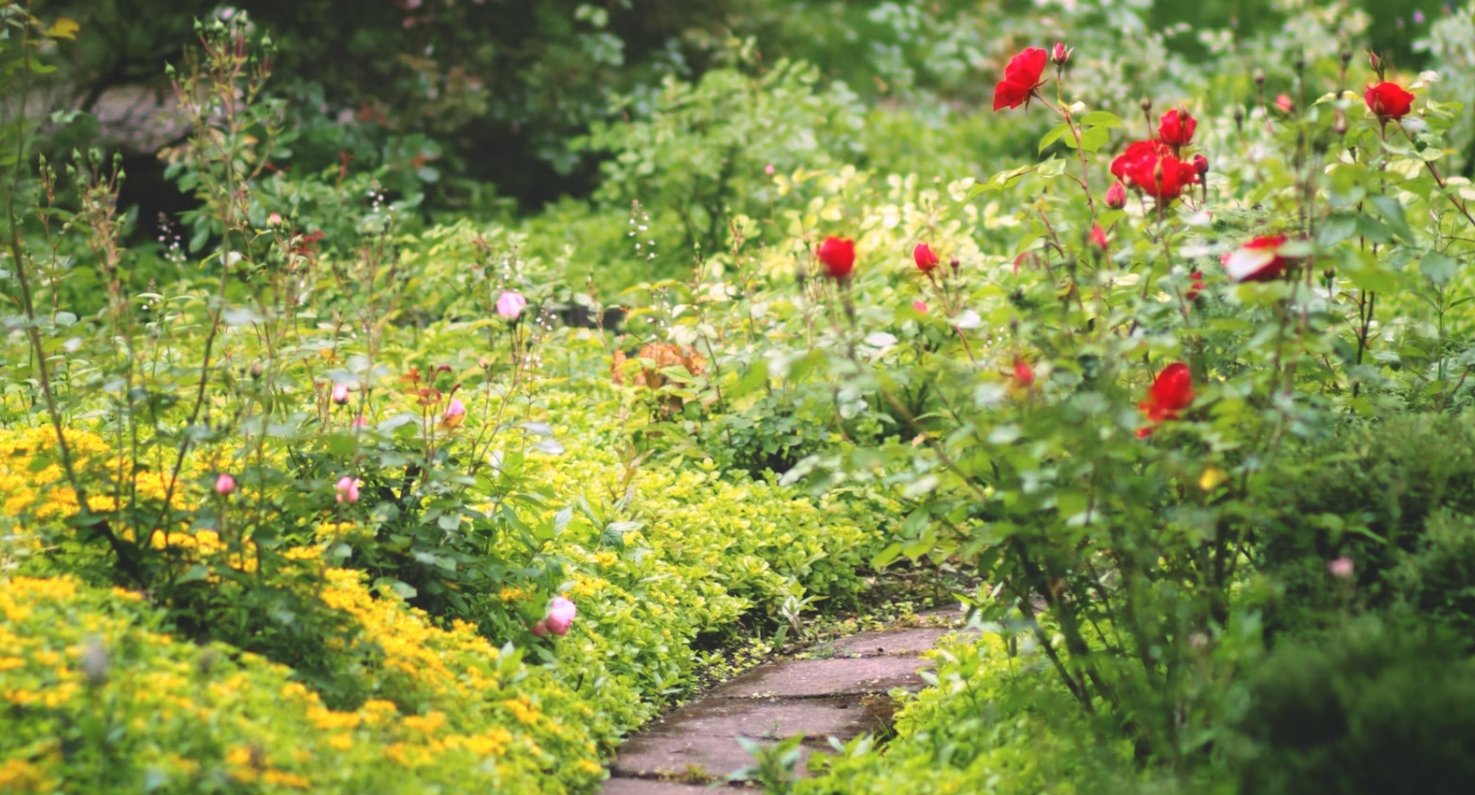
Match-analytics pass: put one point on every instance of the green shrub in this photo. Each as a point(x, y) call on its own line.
point(1368, 709)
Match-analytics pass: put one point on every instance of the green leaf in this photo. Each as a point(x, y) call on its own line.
point(1095, 138)
point(1100, 118)
point(1055, 135)
point(1439, 268)
point(886, 557)
point(1392, 213)
point(1336, 229)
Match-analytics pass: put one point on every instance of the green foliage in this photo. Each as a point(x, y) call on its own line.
point(1357, 711)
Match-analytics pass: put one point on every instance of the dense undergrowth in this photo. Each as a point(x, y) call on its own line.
point(330, 490)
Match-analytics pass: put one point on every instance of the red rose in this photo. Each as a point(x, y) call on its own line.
point(1116, 196)
point(1136, 153)
point(1176, 128)
point(1021, 78)
point(1024, 375)
point(1171, 392)
point(1388, 101)
point(1256, 261)
point(923, 256)
point(838, 256)
point(1149, 166)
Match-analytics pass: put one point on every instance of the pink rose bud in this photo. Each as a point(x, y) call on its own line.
point(360, 422)
point(561, 614)
point(275, 219)
point(1098, 236)
point(1340, 568)
point(768, 169)
point(1284, 103)
point(540, 629)
point(920, 306)
point(340, 394)
point(455, 413)
point(348, 489)
point(1116, 196)
point(510, 305)
point(225, 485)
point(1060, 54)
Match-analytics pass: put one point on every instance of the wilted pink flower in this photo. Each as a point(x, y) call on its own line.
point(920, 306)
point(455, 413)
point(225, 484)
point(348, 489)
point(1340, 568)
point(561, 614)
point(510, 305)
point(340, 393)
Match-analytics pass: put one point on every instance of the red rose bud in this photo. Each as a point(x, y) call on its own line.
point(1201, 165)
point(1021, 78)
point(837, 254)
point(1198, 285)
point(1176, 128)
point(1284, 103)
point(1024, 375)
point(1060, 54)
point(1388, 101)
point(924, 257)
point(1116, 196)
point(1171, 392)
point(1098, 237)
point(1256, 261)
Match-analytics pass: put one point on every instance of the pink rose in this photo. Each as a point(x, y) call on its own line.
point(561, 614)
point(510, 305)
point(225, 484)
point(348, 489)
point(455, 414)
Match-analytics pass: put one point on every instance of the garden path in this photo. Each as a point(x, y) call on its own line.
point(839, 690)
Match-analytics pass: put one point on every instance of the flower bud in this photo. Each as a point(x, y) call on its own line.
point(1116, 196)
point(1284, 103)
point(954, 264)
point(1060, 54)
point(340, 393)
point(1375, 62)
point(1146, 104)
point(920, 306)
point(1201, 165)
point(1097, 236)
point(1341, 568)
point(256, 370)
point(275, 219)
point(925, 258)
point(225, 485)
point(1339, 122)
point(1260, 77)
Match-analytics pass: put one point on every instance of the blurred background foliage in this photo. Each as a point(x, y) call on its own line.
point(482, 104)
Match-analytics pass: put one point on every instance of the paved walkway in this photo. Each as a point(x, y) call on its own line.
point(841, 694)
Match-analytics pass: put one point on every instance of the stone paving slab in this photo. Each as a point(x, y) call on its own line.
point(676, 755)
point(833, 677)
point(845, 717)
point(895, 641)
point(645, 786)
